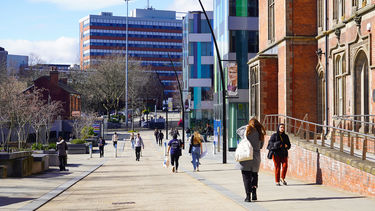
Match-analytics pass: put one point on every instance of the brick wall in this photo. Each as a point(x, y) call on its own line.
point(314, 164)
point(268, 89)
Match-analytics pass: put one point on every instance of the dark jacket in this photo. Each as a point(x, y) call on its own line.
point(61, 146)
point(277, 143)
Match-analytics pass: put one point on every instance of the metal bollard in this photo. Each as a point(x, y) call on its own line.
point(115, 150)
point(90, 150)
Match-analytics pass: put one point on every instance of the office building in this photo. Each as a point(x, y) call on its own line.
point(153, 36)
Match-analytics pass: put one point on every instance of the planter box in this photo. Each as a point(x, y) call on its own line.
point(18, 164)
point(78, 148)
point(53, 159)
point(41, 163)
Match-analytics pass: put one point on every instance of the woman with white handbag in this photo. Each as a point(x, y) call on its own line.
point(254, 133)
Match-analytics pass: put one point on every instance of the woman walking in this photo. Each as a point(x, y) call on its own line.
point(254, 133)
point(138, 146)
point(279, 145)
point(174, 147)
point(196, 149)
point(132, 138)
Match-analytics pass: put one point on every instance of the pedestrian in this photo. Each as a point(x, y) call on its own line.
point(115, 139)
point(254, 133)
point(174, 147)
point(196, 149)
point(138, 146)
point(156, 134)
point(101, 146)
point(161, 137)
point(188, 132)
point(62, 146)
point(132, 140)
point(279, 144)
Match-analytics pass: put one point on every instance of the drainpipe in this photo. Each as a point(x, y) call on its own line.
point(326, 58)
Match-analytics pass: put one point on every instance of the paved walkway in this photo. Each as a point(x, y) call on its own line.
point(123, 183)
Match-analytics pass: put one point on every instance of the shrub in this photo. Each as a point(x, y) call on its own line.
point(37, 146)
point(87, 132)
point(52, 146)
point(113, 120)
point(78, 141)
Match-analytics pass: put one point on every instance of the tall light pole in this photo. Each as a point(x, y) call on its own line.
point(223, 92)
point(126, 65)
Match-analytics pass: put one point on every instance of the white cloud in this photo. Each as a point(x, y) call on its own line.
point(64, 50)
point(191, 5)
point(83, 4)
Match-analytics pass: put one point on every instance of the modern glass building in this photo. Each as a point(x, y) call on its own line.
point(198, 68)
point(152, 36)
point(236, 31)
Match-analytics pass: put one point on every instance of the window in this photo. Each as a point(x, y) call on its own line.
point(320, 13)
point(253, 42)
point(340, 89)
point(360, 3)
point(338, 10)
point(252, 8)
point(271, 20)
point(254, 90)
point(232, 7)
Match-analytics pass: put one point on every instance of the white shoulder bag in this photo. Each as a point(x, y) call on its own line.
point(244, 150)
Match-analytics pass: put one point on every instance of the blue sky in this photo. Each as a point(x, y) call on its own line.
point(49, 29)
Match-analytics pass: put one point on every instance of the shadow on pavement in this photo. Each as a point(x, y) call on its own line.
point(303, 184)
point(4, 201)
point(73, 165)
point(314, 199)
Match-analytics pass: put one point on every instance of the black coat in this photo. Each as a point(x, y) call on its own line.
point(277, 143)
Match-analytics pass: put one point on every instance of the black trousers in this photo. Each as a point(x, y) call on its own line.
point(62, 160)
point(160, 141)
point(250, 180)
point(174, 159)
point(137, 152)
point(101, 151)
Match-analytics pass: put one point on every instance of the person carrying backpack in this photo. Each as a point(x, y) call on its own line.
point(174, 148)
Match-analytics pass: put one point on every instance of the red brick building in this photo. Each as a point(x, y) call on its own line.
point(58, 90)
point(283, 75)
point(345, 57)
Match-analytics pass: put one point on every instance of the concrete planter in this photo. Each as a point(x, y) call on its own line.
point(17, 164)
point(53, 159)
point(40, 163)
point(78, 148)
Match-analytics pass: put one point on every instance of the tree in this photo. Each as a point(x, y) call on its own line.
point(104, 84)
point(85, 120)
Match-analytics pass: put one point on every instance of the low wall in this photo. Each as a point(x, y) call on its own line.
point(321, 165)
point(18, 164)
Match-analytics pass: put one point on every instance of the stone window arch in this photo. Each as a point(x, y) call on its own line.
point(361, 86)
point(321, 96)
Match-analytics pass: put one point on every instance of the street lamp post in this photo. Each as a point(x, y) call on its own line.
point(126, 65)
point(182, 102)
point(223, 87)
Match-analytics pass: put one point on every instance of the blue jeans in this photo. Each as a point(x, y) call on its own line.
point(196, 153)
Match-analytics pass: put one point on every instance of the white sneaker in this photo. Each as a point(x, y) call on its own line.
point(173, 169)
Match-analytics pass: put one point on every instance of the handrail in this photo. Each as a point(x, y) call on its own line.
point(356, 115)
point(353, 140)
point(353, 120)
point(319, 125)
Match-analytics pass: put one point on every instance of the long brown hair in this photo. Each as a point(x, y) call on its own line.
point(255, 124)
point(197, 138)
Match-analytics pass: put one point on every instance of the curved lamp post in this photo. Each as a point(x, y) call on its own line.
point(224, 130)
point(182, 102)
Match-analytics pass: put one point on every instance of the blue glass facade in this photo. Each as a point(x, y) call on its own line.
point(198, 67)
point(236, 45)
